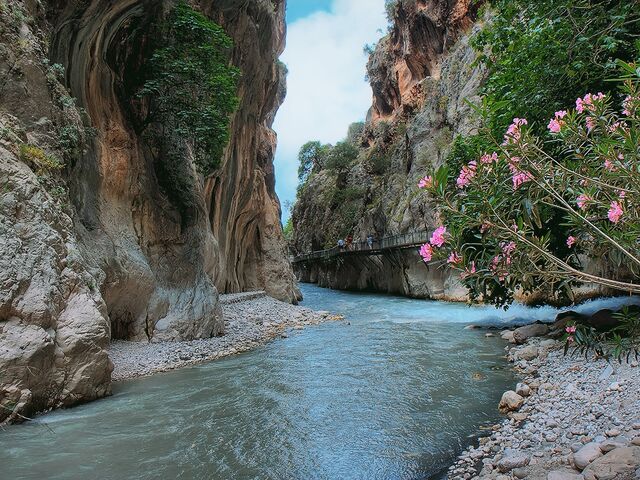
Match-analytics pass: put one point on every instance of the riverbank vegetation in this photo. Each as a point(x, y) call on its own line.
point(546, 193)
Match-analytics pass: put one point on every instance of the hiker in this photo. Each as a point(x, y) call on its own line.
point(370, 241)
point(349, 241)
point(341, 244)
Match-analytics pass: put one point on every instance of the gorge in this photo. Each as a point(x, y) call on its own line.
point(149, 292)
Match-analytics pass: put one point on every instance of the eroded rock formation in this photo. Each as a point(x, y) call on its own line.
point(104, 247)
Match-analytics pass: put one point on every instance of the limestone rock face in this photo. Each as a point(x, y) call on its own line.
point(104, 248)
point(422, 34)
point(421, 74)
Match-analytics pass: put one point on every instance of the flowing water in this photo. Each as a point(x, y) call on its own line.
point(394, 392)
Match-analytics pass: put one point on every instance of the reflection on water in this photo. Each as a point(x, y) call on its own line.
point(393, 394)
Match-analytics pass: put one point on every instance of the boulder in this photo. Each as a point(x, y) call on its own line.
point(611, 444)
point(512, 460)
point(510, 401)
point(603, 320)
point(507, 335)
point(586, 455)
point(527, 353)
point(522, 334)
point(618, 463)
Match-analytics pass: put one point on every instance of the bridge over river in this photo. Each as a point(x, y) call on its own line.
point(391, 243)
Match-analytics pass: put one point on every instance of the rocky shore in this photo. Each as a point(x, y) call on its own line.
point(568, 419)
point(251, 319)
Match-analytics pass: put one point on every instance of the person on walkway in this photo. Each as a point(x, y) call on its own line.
point(341, 244)
point(370, 241)
point(349, 241)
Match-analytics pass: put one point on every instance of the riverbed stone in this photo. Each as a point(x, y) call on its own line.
point(510, 401)
point(564, 475)
point(527, 353)
point(586, 455)
point(523, 389)
point(522, 334)
point(511, 460)
point(618, 463)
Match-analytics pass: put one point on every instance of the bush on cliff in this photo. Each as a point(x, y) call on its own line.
point(191, 87)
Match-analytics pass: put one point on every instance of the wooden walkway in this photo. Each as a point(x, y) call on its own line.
point(394, 242)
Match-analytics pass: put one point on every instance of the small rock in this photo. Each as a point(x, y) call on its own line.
point(523, 389)
point(606, 373)
point(519, 472)
point(510, 401)
point(508, 336)
point(636, 442)
point(614, 432)
point(586, 455)
point(610, 444)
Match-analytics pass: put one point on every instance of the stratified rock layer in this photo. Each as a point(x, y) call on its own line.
point(102, 249)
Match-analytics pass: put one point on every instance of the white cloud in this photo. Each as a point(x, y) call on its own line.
point(326, 88)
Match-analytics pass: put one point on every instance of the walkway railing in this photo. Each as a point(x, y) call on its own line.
point(403, 240)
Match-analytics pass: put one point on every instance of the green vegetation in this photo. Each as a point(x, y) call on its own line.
point(312, 156)
point(542, 55)
point(341, 156)
point(191, 88)
point(37, 157)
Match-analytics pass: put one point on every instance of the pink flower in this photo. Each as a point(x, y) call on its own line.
point(437, 239)
point(622, 194)
point(591, 123)
point(629, 105)
point(582, 200)
point(508, 248)
point(426, 182)
point(486, 158)
point(571, 329)
point(426, 252)
point(513, 132)
point(468, 271)
point(454, 258)
point(484, 227)
point(586, 103)
point(571, 240)
point(466, 174)
point(608, 164)
point(554, 126)
point(520, 178)
point(615, 212)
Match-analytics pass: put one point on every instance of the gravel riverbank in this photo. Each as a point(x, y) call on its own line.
point(568, 419)
point(251, 320)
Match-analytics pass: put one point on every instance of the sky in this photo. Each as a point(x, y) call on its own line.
point(326, 90)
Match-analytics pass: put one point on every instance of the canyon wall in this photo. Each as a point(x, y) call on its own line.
point(421, 74)
point(94, 244)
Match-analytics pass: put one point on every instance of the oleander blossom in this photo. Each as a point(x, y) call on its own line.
point(571, 241)
point(608, 164)
point(571, 329)
point(466, 174)
point(426, 182)
point(520, 178)
point(556, 123)
point(582, 201)
point(615, 212)
point(437, 239)
point(514, 133)
point(629, 104)
point(426, 252)
point(508, 248)
point(454, 258)
point(488, 159)
point(586, 103)
point(591, 123)
point(468, 271)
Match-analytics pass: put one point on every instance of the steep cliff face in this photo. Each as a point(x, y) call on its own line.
point(421, 74)
point(94, 244)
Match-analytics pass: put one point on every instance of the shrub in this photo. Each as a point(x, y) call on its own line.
point(341, 156)
point(37, 157)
